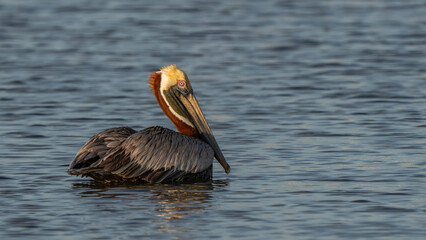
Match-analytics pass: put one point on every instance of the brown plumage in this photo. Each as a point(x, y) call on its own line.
point(154, 82)
point(155, 154)
point(122, 154)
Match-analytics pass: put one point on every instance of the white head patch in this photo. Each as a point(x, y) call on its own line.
point(169, 77)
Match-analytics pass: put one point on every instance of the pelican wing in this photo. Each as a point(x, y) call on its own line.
point(98, 146)
point(154, 155)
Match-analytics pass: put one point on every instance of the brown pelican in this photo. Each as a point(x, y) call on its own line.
point(156, 154)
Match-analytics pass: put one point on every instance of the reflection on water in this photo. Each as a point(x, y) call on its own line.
point(319, 107)
point(169, 201)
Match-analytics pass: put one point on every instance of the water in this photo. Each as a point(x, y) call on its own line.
point(318, 106)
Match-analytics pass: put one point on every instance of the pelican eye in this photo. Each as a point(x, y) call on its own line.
point(181, 84)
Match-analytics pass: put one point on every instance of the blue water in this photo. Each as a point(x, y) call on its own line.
point(319, 108)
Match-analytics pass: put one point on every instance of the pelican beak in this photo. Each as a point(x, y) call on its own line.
point(200, 123)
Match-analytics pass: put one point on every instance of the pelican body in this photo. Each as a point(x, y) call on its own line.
point(155, 154)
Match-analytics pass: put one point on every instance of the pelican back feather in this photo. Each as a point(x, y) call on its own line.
point(154, 155)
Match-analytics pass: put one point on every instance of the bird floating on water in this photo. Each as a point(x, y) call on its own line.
point(156, 154)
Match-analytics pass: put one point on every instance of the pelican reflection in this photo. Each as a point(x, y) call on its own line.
point(162, 200)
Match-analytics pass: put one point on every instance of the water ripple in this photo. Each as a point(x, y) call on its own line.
point(317, 105)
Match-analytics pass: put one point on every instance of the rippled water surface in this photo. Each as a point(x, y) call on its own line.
point(318, 106)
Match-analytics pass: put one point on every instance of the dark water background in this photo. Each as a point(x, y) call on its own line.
point(319, 107)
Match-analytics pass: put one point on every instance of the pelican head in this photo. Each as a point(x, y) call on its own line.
point(174, 93)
